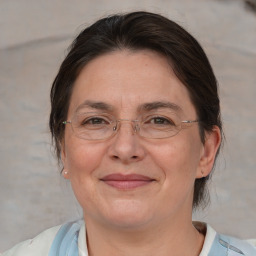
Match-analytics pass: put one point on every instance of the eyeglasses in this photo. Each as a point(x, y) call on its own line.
point(100, 126)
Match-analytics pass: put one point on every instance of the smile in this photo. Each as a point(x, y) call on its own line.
point(126, 182)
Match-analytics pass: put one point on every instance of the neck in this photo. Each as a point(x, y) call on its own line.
point(179, 238)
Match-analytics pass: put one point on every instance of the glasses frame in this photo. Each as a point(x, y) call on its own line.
point(183, 124)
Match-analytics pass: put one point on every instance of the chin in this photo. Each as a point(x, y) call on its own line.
point(126, 222)
point(128, 215)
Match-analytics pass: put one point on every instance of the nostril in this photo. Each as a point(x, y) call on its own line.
point(116, 157)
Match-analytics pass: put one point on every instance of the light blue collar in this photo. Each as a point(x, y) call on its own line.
point(66, 240)
point(230, 246)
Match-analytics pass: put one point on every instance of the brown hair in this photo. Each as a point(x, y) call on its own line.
point(138, 31)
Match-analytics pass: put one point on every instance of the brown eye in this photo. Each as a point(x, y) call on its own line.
point(94, 121)
point(161, 121)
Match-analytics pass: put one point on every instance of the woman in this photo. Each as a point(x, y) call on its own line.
point(136, 123)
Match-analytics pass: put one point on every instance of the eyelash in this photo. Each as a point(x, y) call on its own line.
point(91, 119)
point(163, 119)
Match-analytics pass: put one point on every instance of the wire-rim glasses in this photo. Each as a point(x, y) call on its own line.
point(100, 126)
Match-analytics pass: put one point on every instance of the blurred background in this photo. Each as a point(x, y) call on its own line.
point(33, 41)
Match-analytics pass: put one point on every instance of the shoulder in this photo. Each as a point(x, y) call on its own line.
point(38, 246)
point(236, 246)
point(228, 245)
point(217, 244)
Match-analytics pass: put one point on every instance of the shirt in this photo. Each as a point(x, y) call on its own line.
point(41, 244)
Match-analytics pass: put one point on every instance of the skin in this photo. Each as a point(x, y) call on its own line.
point(126, 221)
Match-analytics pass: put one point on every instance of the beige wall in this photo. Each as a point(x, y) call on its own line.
point(33, 39)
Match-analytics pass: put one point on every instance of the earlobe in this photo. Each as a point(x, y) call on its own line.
point(65, 173)
point(210, 149)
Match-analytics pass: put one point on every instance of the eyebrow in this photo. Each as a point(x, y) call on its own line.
point(95, 105)
point(158, 105)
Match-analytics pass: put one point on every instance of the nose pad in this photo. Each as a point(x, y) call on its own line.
point(135, 126)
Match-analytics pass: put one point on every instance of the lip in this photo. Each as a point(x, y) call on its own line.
point(126, 182)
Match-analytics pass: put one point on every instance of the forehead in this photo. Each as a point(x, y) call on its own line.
point(125, 80)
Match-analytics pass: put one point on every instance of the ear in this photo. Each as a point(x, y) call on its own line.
point(65, 172)
point(209, 151)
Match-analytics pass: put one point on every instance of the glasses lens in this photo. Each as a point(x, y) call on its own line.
point(159, 125)
point(93, 126)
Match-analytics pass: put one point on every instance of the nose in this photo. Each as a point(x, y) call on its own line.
point(126, 145)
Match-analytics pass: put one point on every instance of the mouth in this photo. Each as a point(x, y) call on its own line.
point(126, 182)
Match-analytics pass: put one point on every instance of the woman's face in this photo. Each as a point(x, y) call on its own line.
point(126, 180)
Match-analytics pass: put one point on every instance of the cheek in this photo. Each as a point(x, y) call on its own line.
point(178, 158)
point(82, 161)
point(82, 157)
